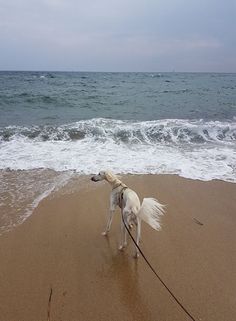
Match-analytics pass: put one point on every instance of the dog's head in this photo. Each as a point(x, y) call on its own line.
point(108, 176)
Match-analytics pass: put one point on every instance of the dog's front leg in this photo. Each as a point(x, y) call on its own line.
point(111, 214)
point(123, 242)
point(122, 236)
point(109, 221)
point(138, 235)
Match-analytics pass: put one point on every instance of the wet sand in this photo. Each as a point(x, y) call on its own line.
point(60, 247)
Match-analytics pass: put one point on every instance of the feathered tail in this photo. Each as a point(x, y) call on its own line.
point(150, 212)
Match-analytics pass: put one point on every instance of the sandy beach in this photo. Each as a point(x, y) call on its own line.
point(60, 247)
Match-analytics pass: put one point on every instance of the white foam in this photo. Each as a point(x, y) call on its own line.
point(22, 191)
point(102, 148)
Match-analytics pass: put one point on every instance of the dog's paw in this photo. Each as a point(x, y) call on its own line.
point(136, 255)
point(104, 233)
point(120, 248)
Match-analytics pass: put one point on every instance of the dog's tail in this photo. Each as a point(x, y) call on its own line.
point(150, 212)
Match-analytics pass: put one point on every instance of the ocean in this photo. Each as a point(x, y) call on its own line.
point(55, 126)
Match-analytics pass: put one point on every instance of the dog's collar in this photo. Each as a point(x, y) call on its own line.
point(120, 184)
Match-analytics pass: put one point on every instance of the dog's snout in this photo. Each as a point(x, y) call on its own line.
point(94, 179)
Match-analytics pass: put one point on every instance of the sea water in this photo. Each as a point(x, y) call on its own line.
point(55, 124)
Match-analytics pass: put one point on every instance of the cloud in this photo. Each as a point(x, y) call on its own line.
point(118, 35)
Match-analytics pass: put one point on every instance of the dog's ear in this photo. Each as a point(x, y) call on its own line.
point(102, 174)
point(110, 177)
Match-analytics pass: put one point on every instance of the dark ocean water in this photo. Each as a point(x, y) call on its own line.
point(43, 98)
point(56, 125)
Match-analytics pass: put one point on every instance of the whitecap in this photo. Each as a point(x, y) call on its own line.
point(195, 149)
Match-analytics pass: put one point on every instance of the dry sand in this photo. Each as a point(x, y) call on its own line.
point(60, 247)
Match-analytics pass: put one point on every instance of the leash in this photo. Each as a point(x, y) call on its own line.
point(153, 270)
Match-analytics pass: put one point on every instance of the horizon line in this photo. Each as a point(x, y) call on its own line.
point(97, 71)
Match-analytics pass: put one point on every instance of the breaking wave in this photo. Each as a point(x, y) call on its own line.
point(150, 132)
point(194, 149)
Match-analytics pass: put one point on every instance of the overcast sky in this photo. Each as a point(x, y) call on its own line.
point(118, 35)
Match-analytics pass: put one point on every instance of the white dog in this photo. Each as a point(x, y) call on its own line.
point(124, 197)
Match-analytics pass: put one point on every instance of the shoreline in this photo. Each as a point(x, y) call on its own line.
point(60, 247)
point(18, 201)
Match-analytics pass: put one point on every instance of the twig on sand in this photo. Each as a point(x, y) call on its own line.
point(198, 222)
point(49, 304)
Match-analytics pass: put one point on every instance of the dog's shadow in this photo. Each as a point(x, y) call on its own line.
point(123, 268)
